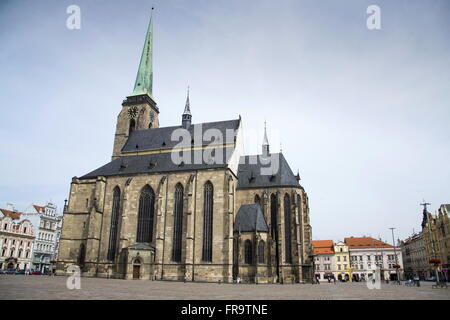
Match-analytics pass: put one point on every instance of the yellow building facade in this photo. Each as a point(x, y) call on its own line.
point(436, 238)
point(342, 257)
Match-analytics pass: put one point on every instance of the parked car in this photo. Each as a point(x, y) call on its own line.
point(36, 273)
point(20, 271)
point(432, 278)
point(9, 271)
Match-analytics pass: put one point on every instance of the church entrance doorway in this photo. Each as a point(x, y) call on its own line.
point(136, 269)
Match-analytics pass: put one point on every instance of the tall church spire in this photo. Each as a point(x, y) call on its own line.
point(144, 78)
point(186, 118)
point(425, 213)
point(265, 145)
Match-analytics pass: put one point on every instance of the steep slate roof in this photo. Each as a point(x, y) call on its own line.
point(250, 218)
point(11, 214)
point(160, 162)
point(249, 173)
point(323, 246)
point(365, 243)
point(160, 138)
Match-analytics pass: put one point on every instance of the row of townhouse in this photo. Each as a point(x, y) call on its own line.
point(29, 239)
point(356, 258)
point(428, 251)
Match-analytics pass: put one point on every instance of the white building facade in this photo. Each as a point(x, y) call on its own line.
point(324, 259)
point(368, 255)
point(47, 227)
point(16, 241)
point(415, 258)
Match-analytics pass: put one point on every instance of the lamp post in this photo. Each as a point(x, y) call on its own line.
point(395, 253)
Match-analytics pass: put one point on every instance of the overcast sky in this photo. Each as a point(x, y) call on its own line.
point(364, 115)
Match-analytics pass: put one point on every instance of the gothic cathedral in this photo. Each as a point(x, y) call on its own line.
point(184, 203)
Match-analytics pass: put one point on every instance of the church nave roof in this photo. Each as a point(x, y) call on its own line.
point(160, 138)
point(251, 174)
point(162, 162)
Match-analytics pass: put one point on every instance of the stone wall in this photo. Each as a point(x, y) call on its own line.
point(87, 221)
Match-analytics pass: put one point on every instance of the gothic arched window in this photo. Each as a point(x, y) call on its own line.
point(132, 126)
point(248, 252)
point(146, 215)
point(273, 216)
point(113, 233)
point(208, 196)
point(81, 255)
point(177, 223)
point(287, 227)
point(261, 251)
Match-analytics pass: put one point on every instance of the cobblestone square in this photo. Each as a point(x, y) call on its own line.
point(54, 288)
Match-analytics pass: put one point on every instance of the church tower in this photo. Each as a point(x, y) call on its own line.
point(139, 110)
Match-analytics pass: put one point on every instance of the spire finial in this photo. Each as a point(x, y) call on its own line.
point(187, 109)
point(425, 213)
point(265, 141)
point(186, 118)
point(265, 145)
point(144, 77)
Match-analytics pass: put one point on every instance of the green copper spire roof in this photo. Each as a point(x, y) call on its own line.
point(144, 78)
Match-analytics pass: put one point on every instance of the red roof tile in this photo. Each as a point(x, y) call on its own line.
point(365, 243)
point(323, 246)
point(12, 214)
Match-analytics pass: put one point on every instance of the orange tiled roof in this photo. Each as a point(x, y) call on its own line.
point(365, 242)
point(39, 208)
point(12, 214)
point(323, 246)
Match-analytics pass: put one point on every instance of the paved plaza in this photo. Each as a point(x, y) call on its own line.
point(54, 288)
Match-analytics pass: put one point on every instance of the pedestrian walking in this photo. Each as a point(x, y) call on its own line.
point(417, 280)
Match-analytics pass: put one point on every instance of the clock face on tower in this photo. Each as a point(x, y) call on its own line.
point(132, 112)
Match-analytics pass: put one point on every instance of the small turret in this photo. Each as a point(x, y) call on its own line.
point(186, 118)
point(265, 145)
